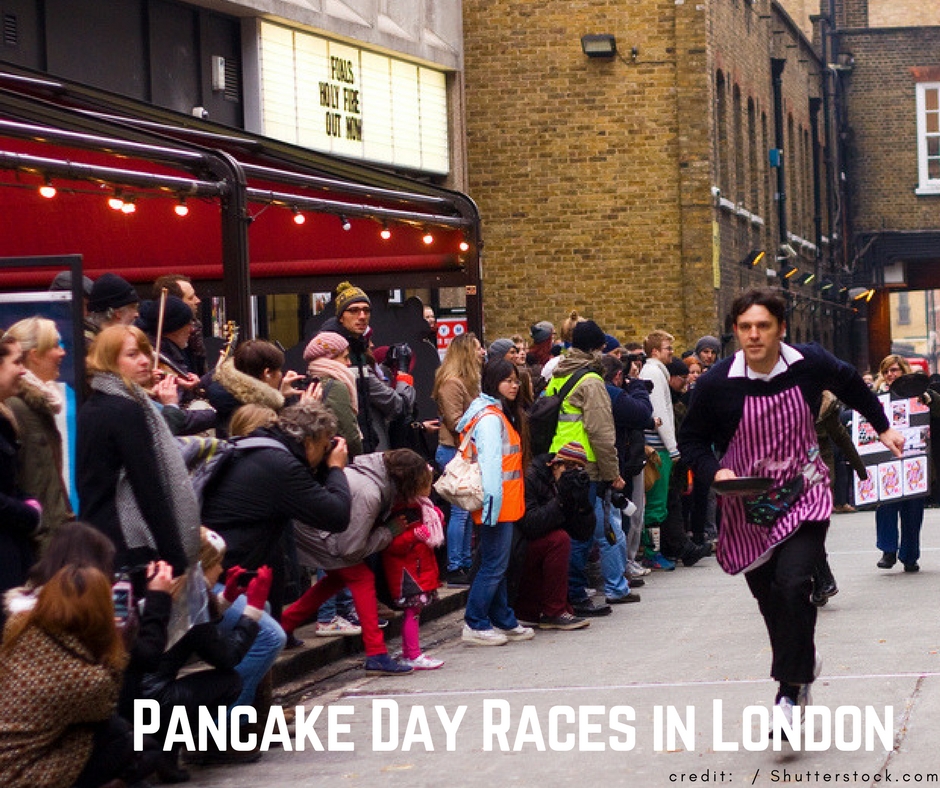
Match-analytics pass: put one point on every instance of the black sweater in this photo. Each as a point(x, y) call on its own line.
point(718, 402)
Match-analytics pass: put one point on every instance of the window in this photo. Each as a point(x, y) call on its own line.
point(928, 137)
point(904, 309)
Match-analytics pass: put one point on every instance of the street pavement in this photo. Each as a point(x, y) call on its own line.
point(588, 707)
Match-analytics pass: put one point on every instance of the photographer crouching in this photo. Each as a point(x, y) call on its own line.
point(558, 508)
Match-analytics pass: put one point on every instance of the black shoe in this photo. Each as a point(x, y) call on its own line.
point(915, 567)
point(565, 621)
point(822, 592)
point(216, 757)
point(292, 642)
point(636, 582)
point(458, 577)
point(623, 600)
point(587, 608)
point(696, 553)
point(887, 560)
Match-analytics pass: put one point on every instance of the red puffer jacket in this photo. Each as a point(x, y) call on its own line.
point(410, 564)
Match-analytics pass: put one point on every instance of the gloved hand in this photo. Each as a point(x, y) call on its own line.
point(232, 587)
point(574, 488)
point(259, 588)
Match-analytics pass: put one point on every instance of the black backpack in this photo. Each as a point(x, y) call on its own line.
point(544, 412)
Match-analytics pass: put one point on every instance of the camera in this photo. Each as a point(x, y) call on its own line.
point(620, 500)
point(636, 358)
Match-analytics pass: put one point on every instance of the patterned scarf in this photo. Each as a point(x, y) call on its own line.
point(431, 530)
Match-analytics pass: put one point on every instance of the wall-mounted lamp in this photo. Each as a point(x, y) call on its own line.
point(826, 284)
point(427, 238)
point(347, 226)
point(599, 45)
point(464, 245)
point(116, 201)
point(861, 293)
point(47, 190)
point(788, 270)
point(386, 233)
point(753, 258)
point(129, 206)
point(181, 208)
point(299, 218)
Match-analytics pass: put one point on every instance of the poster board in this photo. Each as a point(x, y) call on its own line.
point(891, 478)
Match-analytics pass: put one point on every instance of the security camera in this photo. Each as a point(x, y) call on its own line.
point(200, 112)
point(786, 251)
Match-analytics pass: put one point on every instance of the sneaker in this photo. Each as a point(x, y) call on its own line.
point(658, 562)
point(337, 626)
point(626, 599)
point(565, 621)
point(635, 569)
point(785, 704)
point(423, 662)
point(915, 567)
point(483, 637)
point(518, 632)
point(353, 619)
point(587, 608)
point(458, 578)
point(696, 553)
point(292, 642)
point(383, 663)
point(887, 560)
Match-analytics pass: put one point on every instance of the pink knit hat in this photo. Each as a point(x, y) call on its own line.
point(326, 344)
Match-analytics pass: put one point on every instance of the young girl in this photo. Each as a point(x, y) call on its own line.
point(411, 568)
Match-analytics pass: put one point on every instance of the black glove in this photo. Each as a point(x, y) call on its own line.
point(399, 357)
point(574, 488)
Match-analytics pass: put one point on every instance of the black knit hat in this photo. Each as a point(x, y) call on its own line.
point(176, 315)
point(111, 291)
point(588, 336)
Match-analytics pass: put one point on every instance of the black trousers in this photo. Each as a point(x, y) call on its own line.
point(782, 588)
point(112, 753)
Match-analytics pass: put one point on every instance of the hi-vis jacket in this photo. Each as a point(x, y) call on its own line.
point(498, 449)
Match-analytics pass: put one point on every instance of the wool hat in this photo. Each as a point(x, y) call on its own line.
point(611, 343)
point(63, 281)
point(326, 344)
point(499, 349)
point(542, 331)
point(571, 452)
point(709, 342)
point(176, 315)
point(678, 368)
point(588, 336)
point(347, 295)
point(111, 291)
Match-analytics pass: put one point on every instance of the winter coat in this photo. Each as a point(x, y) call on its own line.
point(410, 564)
point(633, 413)
point(40, 458)
point(53, 693)
point(453, 399)
point(337, 399)
point(227, 389)
point(664, 436)
point(372, 492)
point(379, 403)
point(591, 398)
point(19, 522)
point(543, 512)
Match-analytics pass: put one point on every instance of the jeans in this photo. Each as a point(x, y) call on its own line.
point(260, 657)
point(911, 512)
point(487, 602)
point(341, 605)
point(613, 556)
point(459, 528)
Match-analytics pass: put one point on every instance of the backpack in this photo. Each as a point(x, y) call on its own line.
point(208, 458)
point(544, 412)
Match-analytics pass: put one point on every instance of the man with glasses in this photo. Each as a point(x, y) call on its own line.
point(378, 403)
point(659, 348)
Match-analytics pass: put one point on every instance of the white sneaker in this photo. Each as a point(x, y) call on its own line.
point(338, 626)
point(635, 569)
point(483, 637)
point(785, 705)
point(805, 698)
point(519, 632)
point(423, 662)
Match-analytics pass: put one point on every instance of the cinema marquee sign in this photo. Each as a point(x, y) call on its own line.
point(340, 99)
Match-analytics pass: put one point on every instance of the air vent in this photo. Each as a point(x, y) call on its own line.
point(233, 86)
point(10, 37)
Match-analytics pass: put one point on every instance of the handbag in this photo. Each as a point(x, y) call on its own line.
point(461, 484)
point(651, 469)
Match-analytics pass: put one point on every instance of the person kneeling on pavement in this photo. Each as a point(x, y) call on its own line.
point(558, 508)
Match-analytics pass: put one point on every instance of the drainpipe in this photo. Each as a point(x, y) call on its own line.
point(776, 69)
point(815, 105)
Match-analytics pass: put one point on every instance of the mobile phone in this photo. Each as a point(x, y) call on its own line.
point(123, 596)
point(306, 380)
point(247, 576)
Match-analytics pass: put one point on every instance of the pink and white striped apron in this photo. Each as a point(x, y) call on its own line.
point(776, 437)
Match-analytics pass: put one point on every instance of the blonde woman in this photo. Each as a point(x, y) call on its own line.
point(36, 406)
point(456, 385)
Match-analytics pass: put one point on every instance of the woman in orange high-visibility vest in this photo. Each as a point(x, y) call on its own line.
point(497, 422)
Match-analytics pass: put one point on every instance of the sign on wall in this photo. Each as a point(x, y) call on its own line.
point(891, 478)
point(341, 99)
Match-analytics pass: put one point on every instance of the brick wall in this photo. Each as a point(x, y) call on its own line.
point(594, 177)
point(882, 134)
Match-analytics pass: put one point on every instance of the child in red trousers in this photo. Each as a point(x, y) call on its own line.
point(411, 570)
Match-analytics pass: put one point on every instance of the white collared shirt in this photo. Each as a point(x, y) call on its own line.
point(788, 355)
